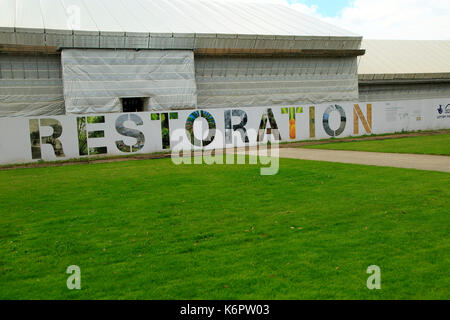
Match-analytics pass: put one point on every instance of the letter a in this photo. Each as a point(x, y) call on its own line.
point(374, 281)
point(74, 280)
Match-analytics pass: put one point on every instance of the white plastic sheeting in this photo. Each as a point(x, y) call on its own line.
point(403, 91)
point(30, 85)
point(225, 82)
point(166, 24)
point(95, 80)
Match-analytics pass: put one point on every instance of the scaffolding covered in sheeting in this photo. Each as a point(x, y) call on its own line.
point(30, 85)
point(224, 82)
point(306, 60)
point(404, 90)
point(96, 80)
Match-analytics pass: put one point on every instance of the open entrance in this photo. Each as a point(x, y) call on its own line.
point(133, 104)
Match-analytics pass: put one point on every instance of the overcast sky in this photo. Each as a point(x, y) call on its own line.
point(380, 19)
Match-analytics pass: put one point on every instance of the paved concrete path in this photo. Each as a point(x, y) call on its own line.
point(398, 160)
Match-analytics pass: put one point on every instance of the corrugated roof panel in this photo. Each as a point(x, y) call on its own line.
point(221, 17)
point(161, 21)
point(170, 24)
point(292, 25)
point(86, 21)
point(103, 19)
point(140, 14)
point(127, 21)
point(266, 25)
point(180, 14)
point(54, 15)
point(308, 24)
point(29, 15)
point(405, 57)
point(190, 15)
point(7, 14)
point(211, 19)
point(168, 16)
point(242, 20)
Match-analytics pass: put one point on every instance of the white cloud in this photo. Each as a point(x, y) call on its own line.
point(385, 19)
point(310, 10)
point(397, 19)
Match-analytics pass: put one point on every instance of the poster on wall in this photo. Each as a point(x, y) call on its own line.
point(52, 138)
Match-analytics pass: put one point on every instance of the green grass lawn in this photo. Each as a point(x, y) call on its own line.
point(153, 230)
point(434, 144)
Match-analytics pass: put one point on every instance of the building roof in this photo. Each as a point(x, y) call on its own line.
point(404, 60)
point(166, 24)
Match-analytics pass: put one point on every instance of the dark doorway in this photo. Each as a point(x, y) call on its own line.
point(133, 104)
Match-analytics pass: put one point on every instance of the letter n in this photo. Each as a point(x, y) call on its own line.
point(358, 115)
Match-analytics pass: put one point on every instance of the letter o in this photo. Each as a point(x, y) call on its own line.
point(190, 128)
point(326, 119)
